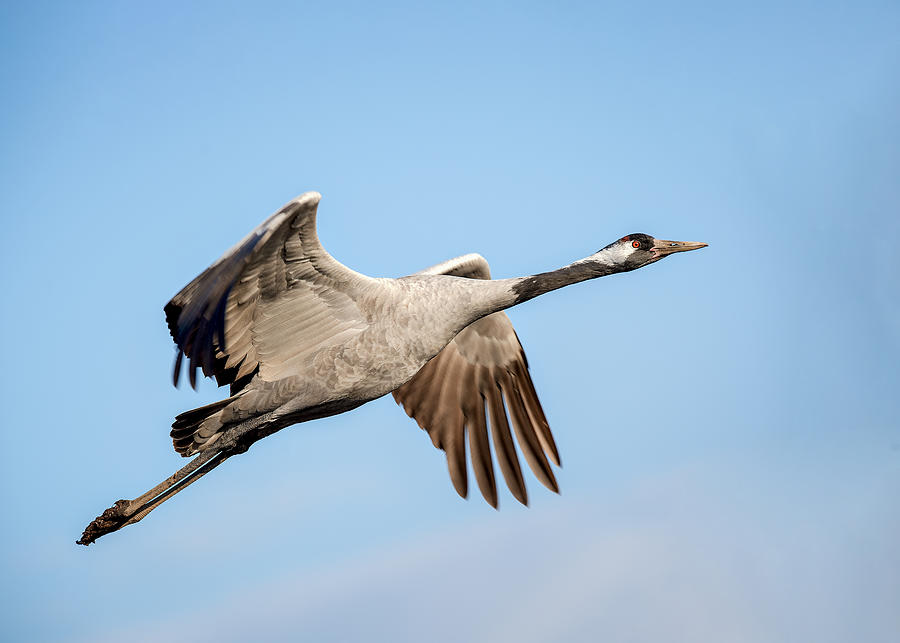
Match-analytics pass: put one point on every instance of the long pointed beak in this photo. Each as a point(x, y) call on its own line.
point(663, 247)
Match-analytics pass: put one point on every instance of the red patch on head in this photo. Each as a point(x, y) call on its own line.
point(628, 238)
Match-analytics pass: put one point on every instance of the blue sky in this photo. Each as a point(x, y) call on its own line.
point(728, 419)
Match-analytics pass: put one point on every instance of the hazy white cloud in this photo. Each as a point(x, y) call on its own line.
point(647, 568)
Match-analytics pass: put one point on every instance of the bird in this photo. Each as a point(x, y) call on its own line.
point(298, 336)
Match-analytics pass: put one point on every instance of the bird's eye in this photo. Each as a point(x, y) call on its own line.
point(635, 244)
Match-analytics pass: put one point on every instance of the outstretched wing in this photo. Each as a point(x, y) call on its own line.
point(468, 381)
point(267, 303)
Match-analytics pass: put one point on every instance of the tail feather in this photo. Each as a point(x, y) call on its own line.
point(194, 429)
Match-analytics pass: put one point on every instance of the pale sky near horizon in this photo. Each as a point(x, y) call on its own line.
point(727, 419)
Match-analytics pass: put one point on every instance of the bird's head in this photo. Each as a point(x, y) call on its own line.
point(638, 249)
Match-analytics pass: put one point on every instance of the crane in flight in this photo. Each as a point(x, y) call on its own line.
point(298, 336)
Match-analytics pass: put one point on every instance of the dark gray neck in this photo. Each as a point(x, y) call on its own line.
point(499, 294)
point(590, 268)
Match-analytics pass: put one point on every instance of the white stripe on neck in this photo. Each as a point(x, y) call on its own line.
point(614, 255)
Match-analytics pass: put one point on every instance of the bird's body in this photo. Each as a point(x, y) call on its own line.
point(400, 324)
point(299, 336)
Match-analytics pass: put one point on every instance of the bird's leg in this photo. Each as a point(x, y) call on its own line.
point(234, 441)
point(152, 501)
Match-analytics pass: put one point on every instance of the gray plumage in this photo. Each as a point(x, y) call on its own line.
point(299, 336)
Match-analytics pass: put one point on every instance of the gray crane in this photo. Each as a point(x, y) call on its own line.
point(299, 336)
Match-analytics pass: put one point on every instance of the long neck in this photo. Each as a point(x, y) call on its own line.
point(505, 293)
point(600, 264)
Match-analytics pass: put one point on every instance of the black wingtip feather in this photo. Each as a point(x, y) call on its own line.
point(176, 372)
point(219, 321)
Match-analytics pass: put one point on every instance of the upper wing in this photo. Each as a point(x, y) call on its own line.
point(267, 303)
point(480, 369)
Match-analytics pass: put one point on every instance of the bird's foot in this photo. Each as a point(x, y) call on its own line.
point(110, 520)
